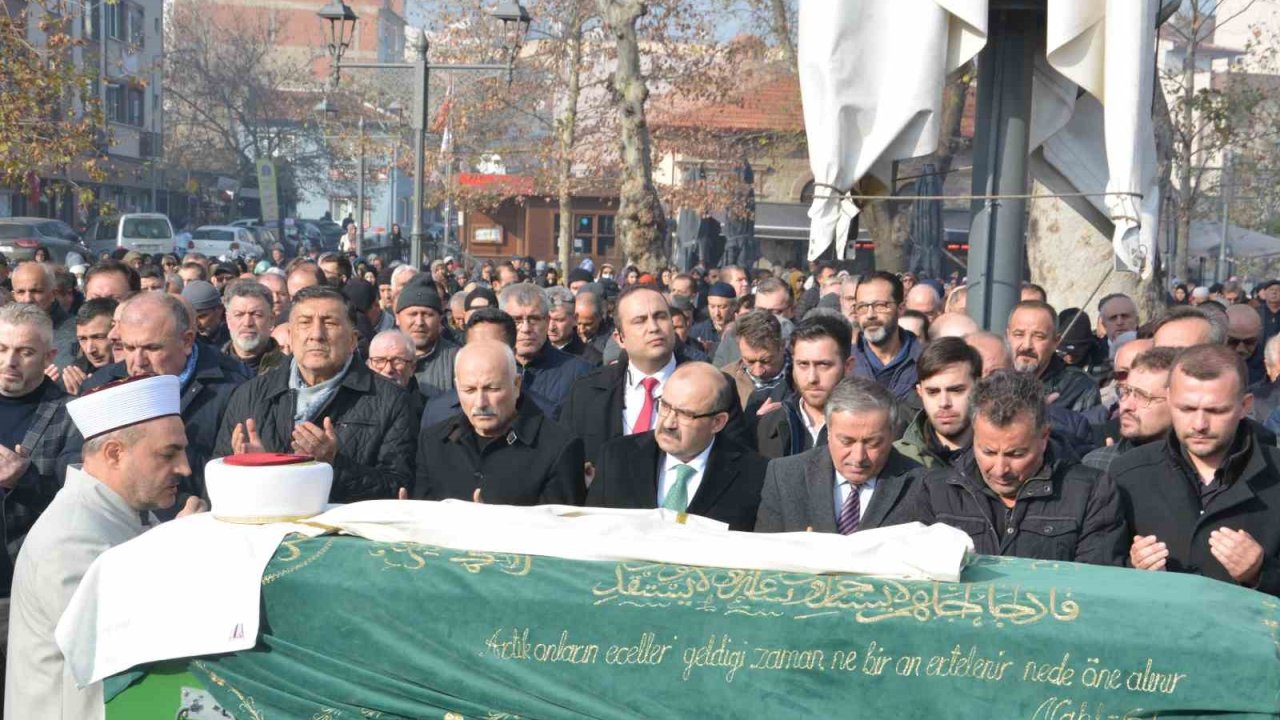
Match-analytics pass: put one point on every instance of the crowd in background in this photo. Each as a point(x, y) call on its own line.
point(772, 400)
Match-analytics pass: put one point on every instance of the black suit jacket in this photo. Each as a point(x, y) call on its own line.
point(594, 409)
point(799, 494)
point(537, 463)
point(627, 477)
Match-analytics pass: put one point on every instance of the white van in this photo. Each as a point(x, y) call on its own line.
point(145, 232)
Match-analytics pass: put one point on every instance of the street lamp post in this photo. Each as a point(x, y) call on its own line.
point(360, 189)
point(342, 20)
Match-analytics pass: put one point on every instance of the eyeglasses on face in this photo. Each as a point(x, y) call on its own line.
point(380, 363)
point(685, 417)
point(1143, 398)
point(880, 307)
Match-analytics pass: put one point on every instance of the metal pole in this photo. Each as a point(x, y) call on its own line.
point(1220, 273)
point(422, 76)
point(448, 198)
point(395, 163)
point(997, 234)
point(360, 192)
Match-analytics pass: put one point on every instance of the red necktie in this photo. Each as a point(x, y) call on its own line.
point(644, 423)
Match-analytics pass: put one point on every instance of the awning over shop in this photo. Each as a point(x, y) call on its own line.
point(1241, 242)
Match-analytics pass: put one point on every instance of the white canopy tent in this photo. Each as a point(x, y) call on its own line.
point(872, 75)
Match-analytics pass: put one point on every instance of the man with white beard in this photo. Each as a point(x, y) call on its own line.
point(250, 317)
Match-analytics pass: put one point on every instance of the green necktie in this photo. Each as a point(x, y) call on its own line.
point(677, 498)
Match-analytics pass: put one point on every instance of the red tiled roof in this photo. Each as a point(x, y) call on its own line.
point(771, 106)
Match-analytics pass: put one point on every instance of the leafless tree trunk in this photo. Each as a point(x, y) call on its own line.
point(889, 222)
point(641, 225)
point(566, 130)
point(782, 29)
point(1181, 266)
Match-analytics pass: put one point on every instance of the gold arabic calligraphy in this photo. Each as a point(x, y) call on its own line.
point(870, 600)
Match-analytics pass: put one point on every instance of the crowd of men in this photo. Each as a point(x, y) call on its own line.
point(821, 402)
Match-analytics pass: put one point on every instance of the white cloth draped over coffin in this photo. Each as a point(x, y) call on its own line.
point(137, 602)
point(871, 79)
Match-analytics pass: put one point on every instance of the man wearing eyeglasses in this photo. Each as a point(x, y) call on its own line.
point(547, 373)
point(1143, 406)
point(884, 352)
point(685, 464)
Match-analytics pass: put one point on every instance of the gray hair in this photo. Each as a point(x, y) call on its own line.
point(559, 297)
point(248, 289)
point(593, 296)
point(25, 314)
point(1004, 396)
point(1217, 323)
point(176, 308)
point(125, 436)
point(824, 312)
point(859, 395)
point(399, 336)
point(50, 277)
point(525, 293)
point(174, 280)
point(1271, 351)
point(405, 271)
point(458, 303)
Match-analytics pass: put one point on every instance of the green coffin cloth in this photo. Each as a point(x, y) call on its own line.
point(356, 629)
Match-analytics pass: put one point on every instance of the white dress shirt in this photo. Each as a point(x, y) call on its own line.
point(813, 428)
point(865, 491)
point(667, 475)
point(633, 394)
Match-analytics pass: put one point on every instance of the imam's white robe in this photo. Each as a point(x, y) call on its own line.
point(84, 520)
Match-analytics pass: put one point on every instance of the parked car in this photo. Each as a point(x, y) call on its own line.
point(144, 232)
point(224, 240)
point(20, 236)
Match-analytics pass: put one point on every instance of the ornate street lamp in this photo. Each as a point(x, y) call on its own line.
point(342, 26)
point(515, 21)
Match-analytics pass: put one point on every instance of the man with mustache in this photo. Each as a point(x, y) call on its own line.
point(884, 352)
point(250, 318)
point(1033, 334)
point(93, 335)
point(857, 482)
point(492, 451)
point(1012, 496)
point(1144, 405)
point(721, 308)
point(1204, 499)
point(686, 459)
point(820, 359)
point(328, 405)
point(134, 459)
point(941, 434)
